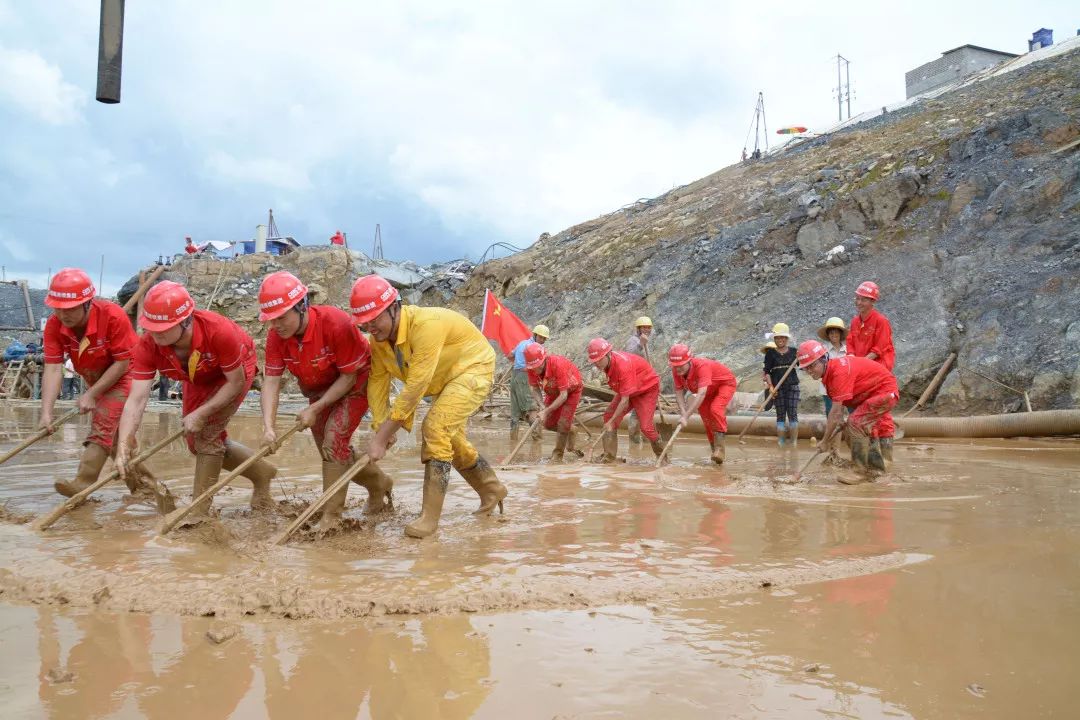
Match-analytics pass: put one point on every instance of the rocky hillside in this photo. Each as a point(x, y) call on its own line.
point(964, 208)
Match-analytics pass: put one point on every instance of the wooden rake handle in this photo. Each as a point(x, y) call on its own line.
point(521, 443)
point(44, 432)
point(173, 519)
point(314, 507)
point(78, 499)
point(660, 460)
point(776, 389)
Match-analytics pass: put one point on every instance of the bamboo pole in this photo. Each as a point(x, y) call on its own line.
point(38, 435)
point(521, 443)
point(821, 448)
point(660, 460)
point(173, 518)
point(143, 287)
point(78, 499)
point(776, 389)
point(314, 507)
point(939, 376)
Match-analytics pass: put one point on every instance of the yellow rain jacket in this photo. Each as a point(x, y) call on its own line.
point(439, 353)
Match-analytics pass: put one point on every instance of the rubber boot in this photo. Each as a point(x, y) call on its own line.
point(886, 450)
point(207, 472)
point(482, 478)
point(793, 433)
point(90, 464)
point(560, 447)
point(610, 442)
point(378, 484)
point(571, 445)
point(718, 449)
point(860, 448)
point(260, 473)
point(633, 427)
point(780, 433)
point(873, 456)
point(657, 447)
point(436, 478)
point(331, 513)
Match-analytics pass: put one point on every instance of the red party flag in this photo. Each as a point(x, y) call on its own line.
point(501, 325)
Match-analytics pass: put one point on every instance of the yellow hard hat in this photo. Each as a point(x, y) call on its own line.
point(542, 331)
point(768, 346)
point(643, 321)
point(832, 323)
point(781, 329)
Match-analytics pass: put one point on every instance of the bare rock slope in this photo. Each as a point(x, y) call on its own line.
point(965, 208)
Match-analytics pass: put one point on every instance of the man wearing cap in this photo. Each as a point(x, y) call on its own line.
point(214, 359)
point(520, 398)
point(713, 385)
point(862, 385)
point(636, 385)
point(330, 359)
point(638, 344)
point(96, 337)
point(561, 382)
point(871, 337)
point(436, 353)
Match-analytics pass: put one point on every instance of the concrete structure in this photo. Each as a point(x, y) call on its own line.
point(952, 66)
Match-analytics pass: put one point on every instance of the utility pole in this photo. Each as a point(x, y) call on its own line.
point(843, 90)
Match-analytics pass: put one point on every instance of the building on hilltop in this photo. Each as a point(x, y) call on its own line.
point(953, 65)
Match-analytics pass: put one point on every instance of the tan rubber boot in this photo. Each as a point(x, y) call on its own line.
point(860, 448)
point(90, 464)
point(610, 442)
point(207, 472)
point(560, 447)
point(886, 450)
point(331, 514)
point(260, 473)
point(482, 478)
point(657, 447)
point(793, 434)
point(571, 445)
point(378, 484)
point(718, 449)
point(436, 478)
point(873, 456)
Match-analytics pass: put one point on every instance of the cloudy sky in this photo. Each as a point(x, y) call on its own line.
point(454, 125)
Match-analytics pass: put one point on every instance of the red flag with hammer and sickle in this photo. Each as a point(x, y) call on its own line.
point(501, 325)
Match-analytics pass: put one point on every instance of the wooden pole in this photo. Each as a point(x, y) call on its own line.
point(821, 448)
point(78, 499)
point(29, 305)
point(143, 287)
point(38, 435)
point(660, 460)
point(521, 443)
point(776, 389)
point(173, 518)
point(939, 376)
point(314, 507)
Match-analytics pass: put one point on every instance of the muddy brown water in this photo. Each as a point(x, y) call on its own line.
point(948, 589)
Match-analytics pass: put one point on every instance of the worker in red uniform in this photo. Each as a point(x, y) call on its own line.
point(871, 337)
point(713, 385)
point(214, 359)
point(863, 386)
point(636, 385)
point(97, 337)
point(561, 382)
point(189, 247)
point(330, 359)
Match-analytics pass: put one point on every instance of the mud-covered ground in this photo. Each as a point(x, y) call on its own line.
point(949, 588)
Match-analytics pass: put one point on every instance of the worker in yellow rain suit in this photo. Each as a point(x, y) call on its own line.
point(438, 353)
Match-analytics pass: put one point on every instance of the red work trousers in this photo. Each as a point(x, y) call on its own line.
point(713, 409)
point(106, 418)
point(211, 439)
point(335, 425)
point(644, 406)
point(562, 420)
point(867, 418)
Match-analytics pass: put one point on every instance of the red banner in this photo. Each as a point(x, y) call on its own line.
point(501, 325)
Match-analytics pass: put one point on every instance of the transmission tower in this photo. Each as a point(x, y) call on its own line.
point(758, 128)
point(377, 251)
point(843, 87)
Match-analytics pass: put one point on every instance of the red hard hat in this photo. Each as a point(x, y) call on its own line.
point(165, 305)
point(810, 351)
point(371, 295)
point(278, 293)
point(679, 354)
point(69, 288)
point(868, 290)
point(598, 348)
point(535, 354)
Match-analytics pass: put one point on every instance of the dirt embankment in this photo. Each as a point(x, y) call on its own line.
point(958, 206)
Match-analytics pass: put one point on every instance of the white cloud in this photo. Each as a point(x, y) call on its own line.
point(259, 171)
point(18, 250)
point(38, 87)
